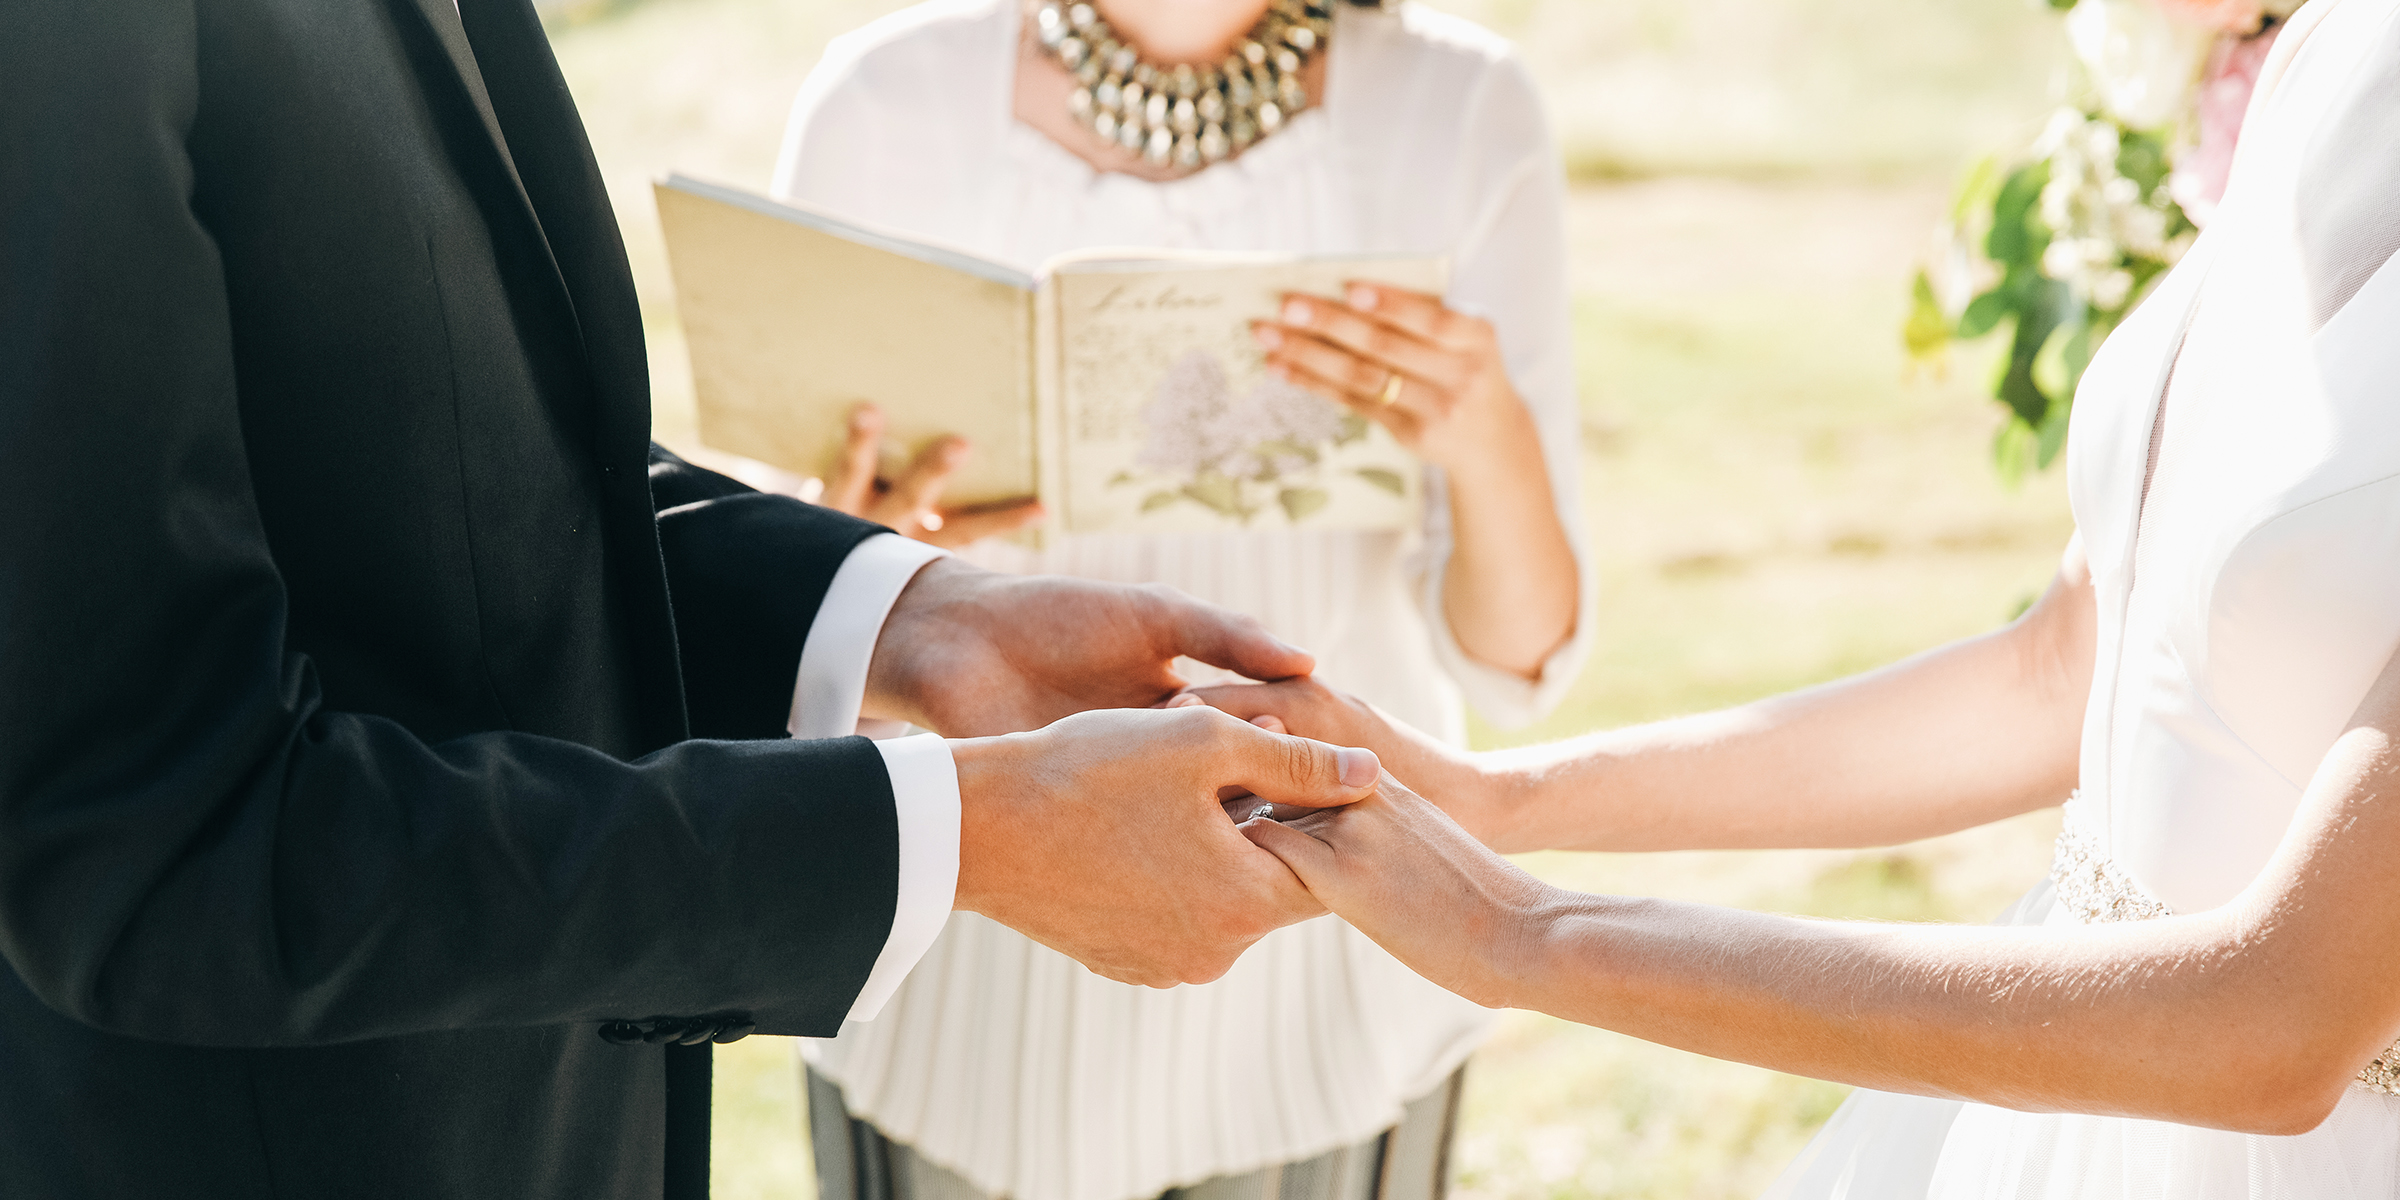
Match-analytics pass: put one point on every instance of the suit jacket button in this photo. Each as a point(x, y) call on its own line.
point(736, 1029)
point(696, 1031)
point(620, 1033)
point(663, 1029)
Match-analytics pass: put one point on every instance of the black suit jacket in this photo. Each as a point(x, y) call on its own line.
point(345, 789)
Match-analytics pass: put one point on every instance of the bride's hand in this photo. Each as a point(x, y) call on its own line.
point(1432, 376)
point(1401, 872)
point(1454, 778)
point(911, 504)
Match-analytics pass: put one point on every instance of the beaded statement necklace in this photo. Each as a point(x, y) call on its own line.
point(1183, 115)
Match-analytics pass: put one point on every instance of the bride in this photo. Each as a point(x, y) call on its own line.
point(2203, 1001)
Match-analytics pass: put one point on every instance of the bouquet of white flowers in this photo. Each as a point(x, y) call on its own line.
point(2060, 243)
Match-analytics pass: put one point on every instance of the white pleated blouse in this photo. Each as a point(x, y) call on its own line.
point(1006, 1061)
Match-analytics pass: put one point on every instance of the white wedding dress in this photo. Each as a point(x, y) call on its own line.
point(2249, 593)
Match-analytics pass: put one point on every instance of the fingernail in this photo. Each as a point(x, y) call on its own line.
point(1267, 335)
point(1295, 311)
point(1362, 297)
point(1359, 767)
point(932, 522)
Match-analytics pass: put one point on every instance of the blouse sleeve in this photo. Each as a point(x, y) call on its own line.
point(829, 140)
point(1510, 267)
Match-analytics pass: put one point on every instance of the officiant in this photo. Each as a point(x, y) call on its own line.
point(397, 788)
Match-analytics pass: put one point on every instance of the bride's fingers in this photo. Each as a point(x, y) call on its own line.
point(1251, 701)
point(1269, 722)
point(1313, 861)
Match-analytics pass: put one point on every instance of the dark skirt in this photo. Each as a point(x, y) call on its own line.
point(1409, 1161)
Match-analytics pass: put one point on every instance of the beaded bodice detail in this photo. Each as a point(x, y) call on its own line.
point(2099, 892)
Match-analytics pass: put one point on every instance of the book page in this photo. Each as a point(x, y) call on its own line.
point(794, 316)
point(1168, 422)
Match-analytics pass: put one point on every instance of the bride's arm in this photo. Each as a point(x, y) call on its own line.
point(2253, 1016)
point(1974, 731)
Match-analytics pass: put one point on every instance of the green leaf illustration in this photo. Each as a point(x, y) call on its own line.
point(1122, 478)
point(1299, 502)
point(1158, 500)
point(1354, 427)
point(1389, 481)
point(1217, 493)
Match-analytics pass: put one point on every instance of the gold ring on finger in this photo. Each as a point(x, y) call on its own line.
point(1390, 395)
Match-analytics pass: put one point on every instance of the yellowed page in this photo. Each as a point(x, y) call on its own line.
point(1168, 421)
point(791, 323)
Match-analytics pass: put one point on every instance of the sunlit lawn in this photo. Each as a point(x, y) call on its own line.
point(1773, 499)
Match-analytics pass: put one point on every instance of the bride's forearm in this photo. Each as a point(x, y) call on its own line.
point(1955, 737)
point(2162, 1020)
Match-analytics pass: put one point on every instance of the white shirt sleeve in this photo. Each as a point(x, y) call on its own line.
point(1510, 268)
point(826, 698)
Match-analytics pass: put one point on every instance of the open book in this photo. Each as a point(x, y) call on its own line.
point(1122, 388)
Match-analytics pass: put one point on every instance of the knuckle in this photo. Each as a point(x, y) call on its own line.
point(1301, 762)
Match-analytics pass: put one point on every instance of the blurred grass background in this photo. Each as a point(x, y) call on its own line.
point(1774, 496)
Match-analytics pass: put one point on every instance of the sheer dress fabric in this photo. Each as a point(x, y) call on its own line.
point(2246, 604)
point(1000, 1059)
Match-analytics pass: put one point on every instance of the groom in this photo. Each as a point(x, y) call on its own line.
point(353, 641)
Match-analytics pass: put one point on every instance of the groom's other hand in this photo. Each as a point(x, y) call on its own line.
point(968, 652)
point(1101, 836)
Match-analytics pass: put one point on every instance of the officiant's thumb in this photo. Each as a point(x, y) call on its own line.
point(1282, 769)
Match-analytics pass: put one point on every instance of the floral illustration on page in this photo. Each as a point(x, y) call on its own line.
point(1237, 455)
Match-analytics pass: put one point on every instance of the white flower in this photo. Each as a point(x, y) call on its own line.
point(2143, 61)
point(2111, 288)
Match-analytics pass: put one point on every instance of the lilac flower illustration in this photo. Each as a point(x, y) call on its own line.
point(1236, 455)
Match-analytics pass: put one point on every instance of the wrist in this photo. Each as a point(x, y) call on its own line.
point(1499, 799)
point(912, 643)
point(1513, 946)
point(988, 817)
point(1495, 461)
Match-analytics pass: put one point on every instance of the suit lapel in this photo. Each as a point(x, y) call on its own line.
point(441, 18)
point(528, 97)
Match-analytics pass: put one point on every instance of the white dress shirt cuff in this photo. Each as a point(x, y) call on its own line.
point(826, 698)
point(925, 798)
point(833, 660)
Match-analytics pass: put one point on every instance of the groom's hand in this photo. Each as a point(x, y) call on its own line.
point(968, 652)
point(1101, 836)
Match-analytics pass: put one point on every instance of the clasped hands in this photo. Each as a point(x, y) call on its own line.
point(1095, 788)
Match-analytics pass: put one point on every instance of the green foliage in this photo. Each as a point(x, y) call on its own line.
point(2054, 324)
point(1389, 481)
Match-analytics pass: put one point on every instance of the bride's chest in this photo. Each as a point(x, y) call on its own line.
point(2248, 527)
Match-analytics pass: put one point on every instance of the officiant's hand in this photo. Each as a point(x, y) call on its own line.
point(911, 504)
point(1402, 872)
point(1101, 836)
point(1432, 376)
point(1455, 779)
point(967, 652)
